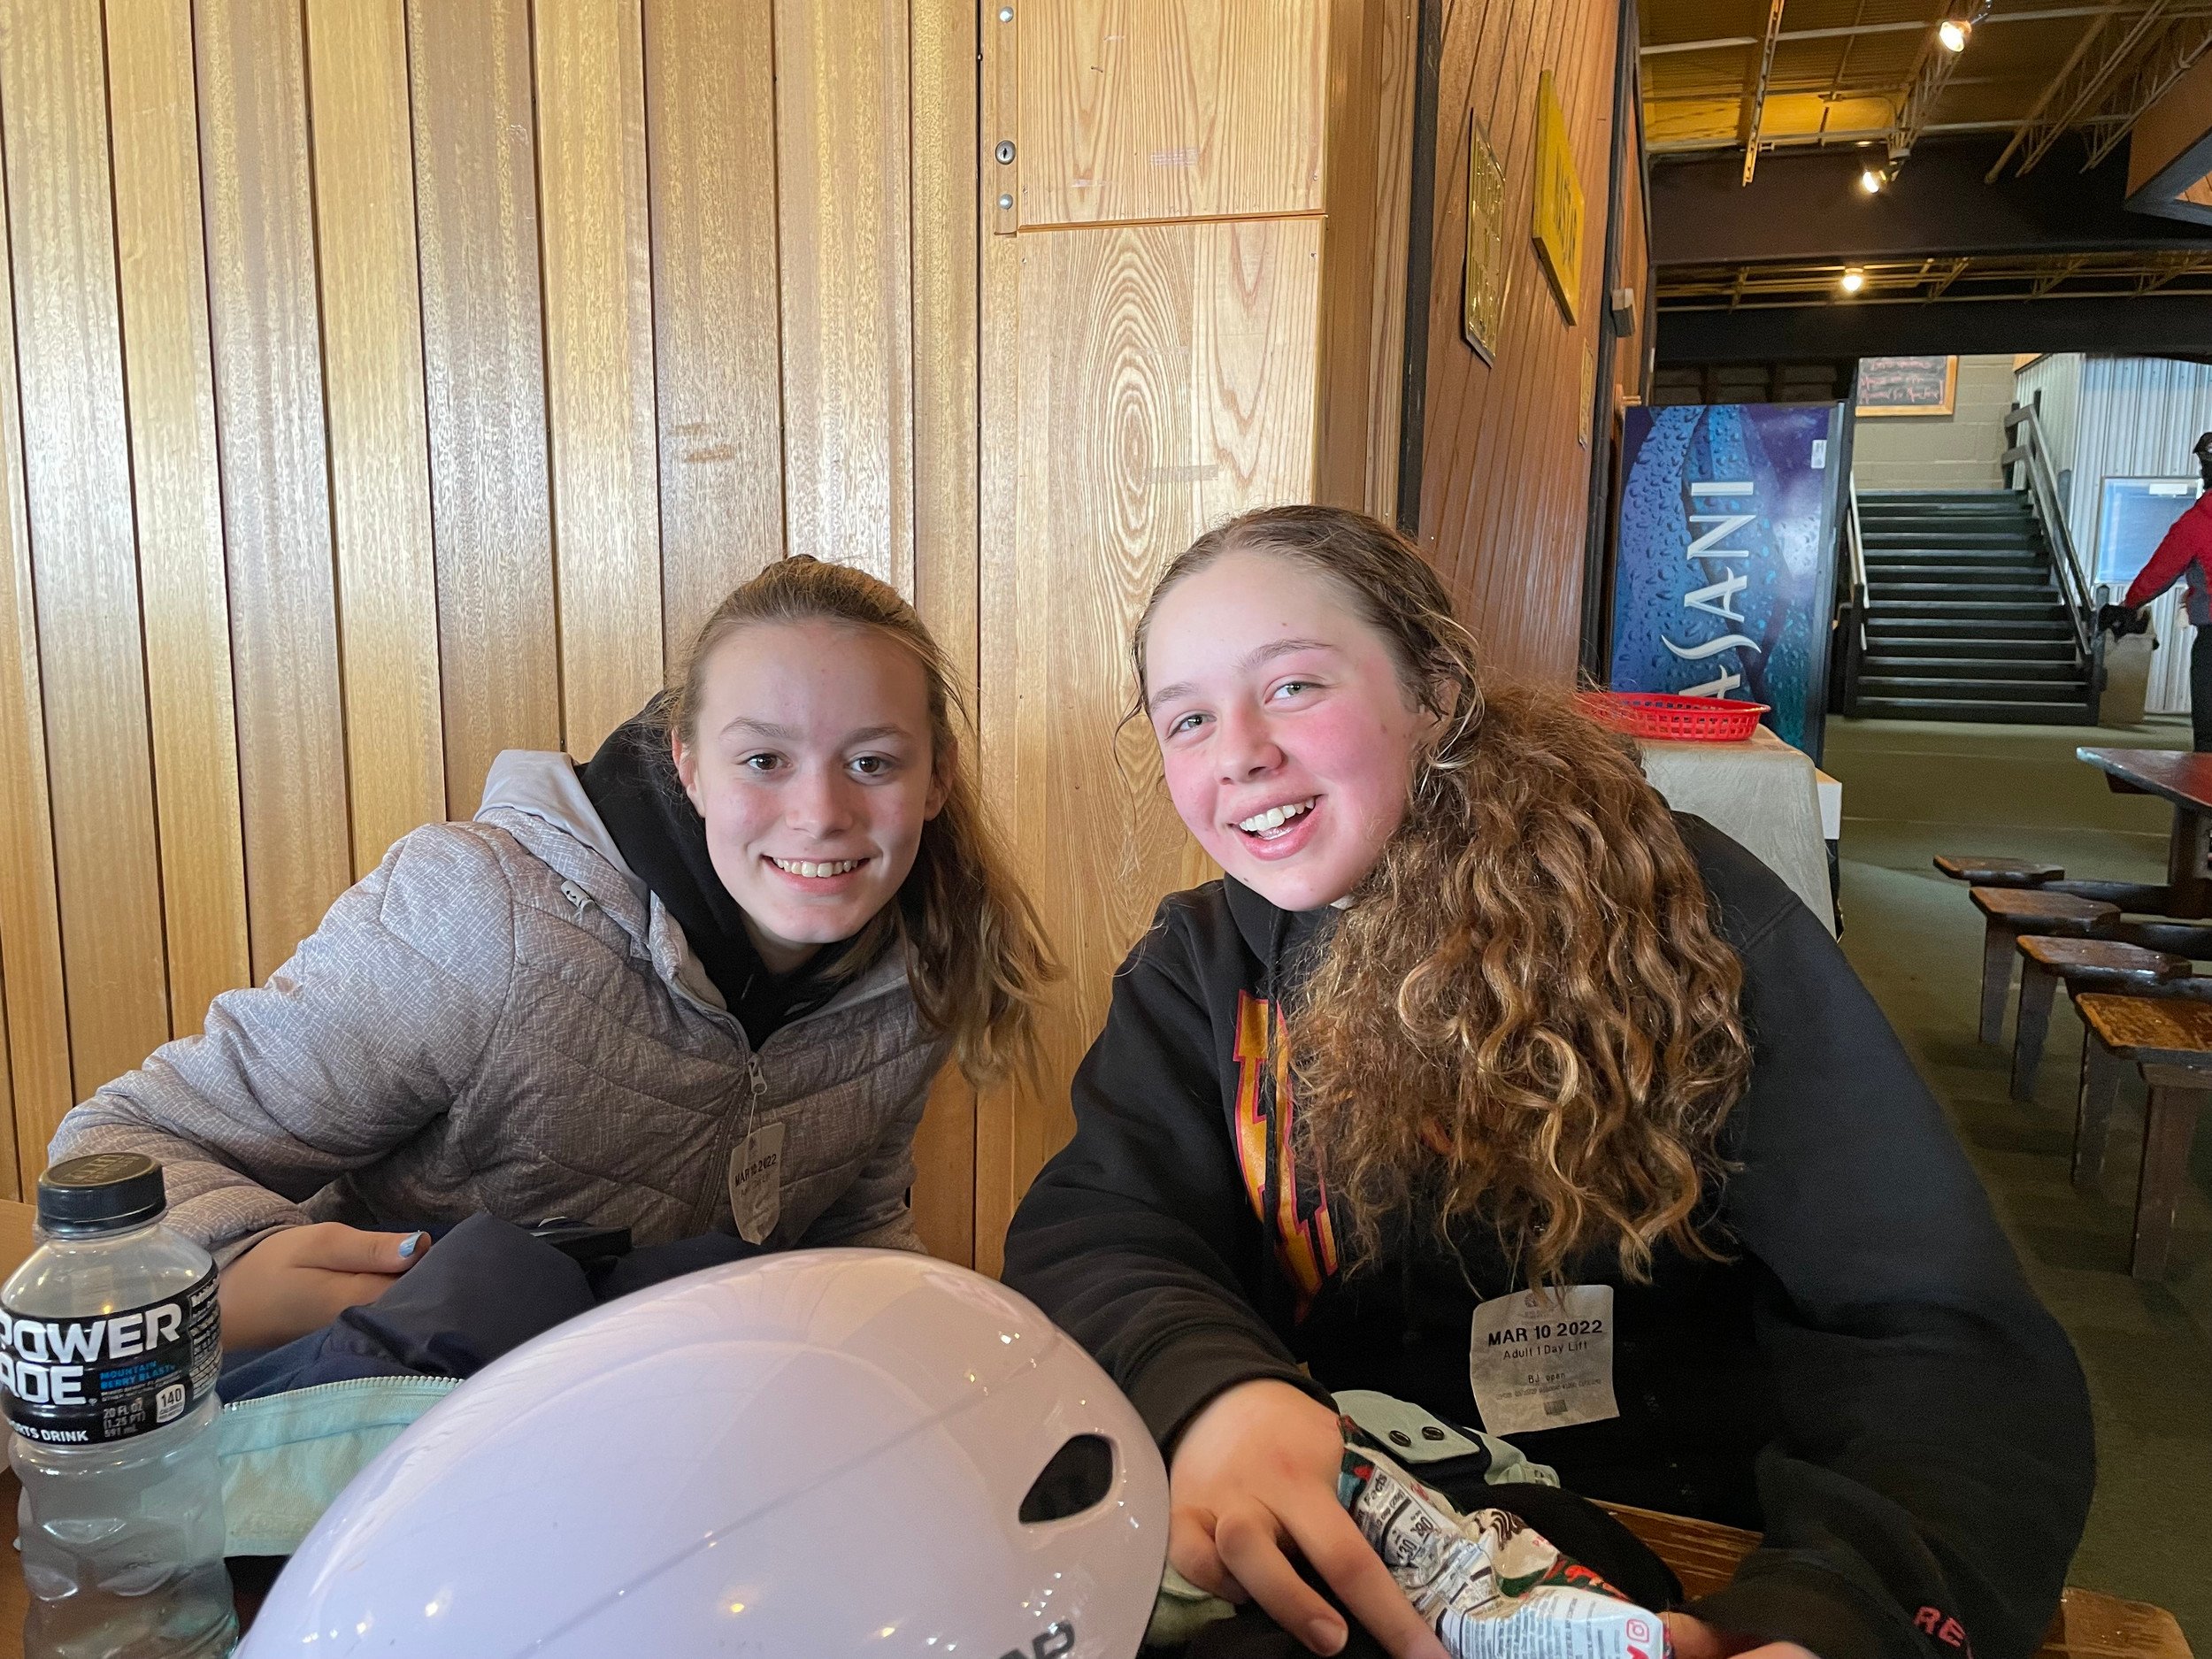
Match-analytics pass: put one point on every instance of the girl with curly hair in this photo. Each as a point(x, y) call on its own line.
point(1484, 1082)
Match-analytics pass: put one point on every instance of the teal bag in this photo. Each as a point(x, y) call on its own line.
point(286, 1457)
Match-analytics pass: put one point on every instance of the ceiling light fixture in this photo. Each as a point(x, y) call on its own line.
point(1953, 33)
point(1871, 181)
point(1853, 279)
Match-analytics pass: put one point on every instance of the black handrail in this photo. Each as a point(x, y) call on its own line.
point(2028, 451)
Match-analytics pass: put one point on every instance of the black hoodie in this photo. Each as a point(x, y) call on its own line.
point(1867, 1379)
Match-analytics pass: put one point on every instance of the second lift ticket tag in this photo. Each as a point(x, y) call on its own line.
point(1543, 1359)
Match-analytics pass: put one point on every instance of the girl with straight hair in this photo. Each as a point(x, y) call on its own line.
point(1484, 1082)
point(701, 983)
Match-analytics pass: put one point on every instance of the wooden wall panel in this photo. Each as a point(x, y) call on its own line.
point(1397, 65)
point(1166, 380)
point(944, 146)
point(711, 122)
point(176, 481)
point(842, 149)
point(379, 461)
point(32, 992)
point(269, 415)
point(69, 369)
point(1169, 109)
point(597, 252)
point(1505, 479)
point(476, 216)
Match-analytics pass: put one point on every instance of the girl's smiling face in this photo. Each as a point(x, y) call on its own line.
point(812, 764)
point(1286, 733)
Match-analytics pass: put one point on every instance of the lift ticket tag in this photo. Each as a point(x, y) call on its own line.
point(110, 1376)
point(1543, 1359)
point(756, 1183)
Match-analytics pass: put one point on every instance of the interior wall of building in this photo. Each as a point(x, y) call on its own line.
point(1503, 503)
point(396, 382)
point(1959, 450)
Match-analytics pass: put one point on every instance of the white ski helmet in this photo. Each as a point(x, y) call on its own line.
point(817, 1453)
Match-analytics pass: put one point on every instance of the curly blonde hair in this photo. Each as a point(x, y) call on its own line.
point(1525, 1015)
point(979, 964)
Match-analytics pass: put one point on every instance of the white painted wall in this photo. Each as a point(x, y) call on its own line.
point(1954, 451)
point(2123, 418)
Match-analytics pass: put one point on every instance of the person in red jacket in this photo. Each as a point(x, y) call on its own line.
point(2187, 551)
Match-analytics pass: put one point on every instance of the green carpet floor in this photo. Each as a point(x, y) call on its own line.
point(1911, 790)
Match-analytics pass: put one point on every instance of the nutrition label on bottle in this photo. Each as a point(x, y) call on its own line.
point(110, 1376)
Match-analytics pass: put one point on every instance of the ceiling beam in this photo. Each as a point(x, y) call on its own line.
point(1931, 72)
point(1755, 91)
point(1737, 42)
point(2103, 47)
point(2165, 64)
point(1817, 140)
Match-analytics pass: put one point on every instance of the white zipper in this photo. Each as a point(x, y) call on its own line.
point(412, 1379)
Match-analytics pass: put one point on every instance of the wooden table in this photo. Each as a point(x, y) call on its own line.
point(2184, 780)
point(1702, 1554)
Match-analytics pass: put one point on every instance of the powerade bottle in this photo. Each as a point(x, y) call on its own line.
point(110, 1343)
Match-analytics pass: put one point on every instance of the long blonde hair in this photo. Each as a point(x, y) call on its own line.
point(979, 960)
point(1526, 1016)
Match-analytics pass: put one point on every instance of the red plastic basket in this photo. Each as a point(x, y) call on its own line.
point(1681, 719)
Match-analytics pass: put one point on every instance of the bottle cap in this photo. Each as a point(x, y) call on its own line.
point(101, 1192)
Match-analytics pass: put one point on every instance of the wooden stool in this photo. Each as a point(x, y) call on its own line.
point(1998, 873)
point(2171, 1041)
point(2085, 965)
point(2012, 912)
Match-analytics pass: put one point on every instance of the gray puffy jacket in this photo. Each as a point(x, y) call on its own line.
point(502, 1017)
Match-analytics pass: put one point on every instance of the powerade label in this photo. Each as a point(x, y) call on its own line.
point(85, 1382)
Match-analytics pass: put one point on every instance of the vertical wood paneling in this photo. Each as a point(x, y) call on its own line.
point(491, 504)
point(944, 146)
point(711, 122)
point(1398, 51)
point(1505, 480)
point(1166, 381)
point(177, 485)
point(1169, 108)
point(594, 224)
point(842, 140)
point(31, 987)
point(1352, 295)
point(276, 503)
point(379, 464)
point(999, 681)
point(69, 368)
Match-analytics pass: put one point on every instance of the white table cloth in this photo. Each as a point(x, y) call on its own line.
point(1764, 795)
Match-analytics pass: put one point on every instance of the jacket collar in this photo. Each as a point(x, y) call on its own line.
point(542, 787)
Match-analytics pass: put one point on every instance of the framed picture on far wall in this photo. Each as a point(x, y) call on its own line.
point(1908, 386)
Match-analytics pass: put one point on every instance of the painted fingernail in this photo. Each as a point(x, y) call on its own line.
point(411, 1243)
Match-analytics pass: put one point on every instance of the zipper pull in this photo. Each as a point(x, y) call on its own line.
point(758, 1079)
point(577, 896)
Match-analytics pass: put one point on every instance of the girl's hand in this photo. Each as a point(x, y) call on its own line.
point(1253, 1477)
point(1695, 1639)
point(300, 1279)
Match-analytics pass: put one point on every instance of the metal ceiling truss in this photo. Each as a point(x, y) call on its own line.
point(2105, 47)
point(1755, 91)
point(1931, 72)
point(2186, 41)
point(2025, 277)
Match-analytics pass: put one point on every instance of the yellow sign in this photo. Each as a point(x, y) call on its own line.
point(1484, 305)
point(1559, 210)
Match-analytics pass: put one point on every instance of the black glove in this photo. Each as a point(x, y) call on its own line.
point(2122, 620)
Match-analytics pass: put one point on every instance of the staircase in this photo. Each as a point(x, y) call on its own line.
point(1964, 619)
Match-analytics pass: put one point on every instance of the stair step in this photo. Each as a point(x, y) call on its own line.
point(1952, 627)
point(2055, 668)
point(1995, 713)
point(2023, 590)
point(1873, 685)
point(1975, 611)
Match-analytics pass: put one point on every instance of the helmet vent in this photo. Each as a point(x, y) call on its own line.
point(1079, 1475)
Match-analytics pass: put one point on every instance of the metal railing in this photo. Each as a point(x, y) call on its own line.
point(2029, 453)
point(1853, 619)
